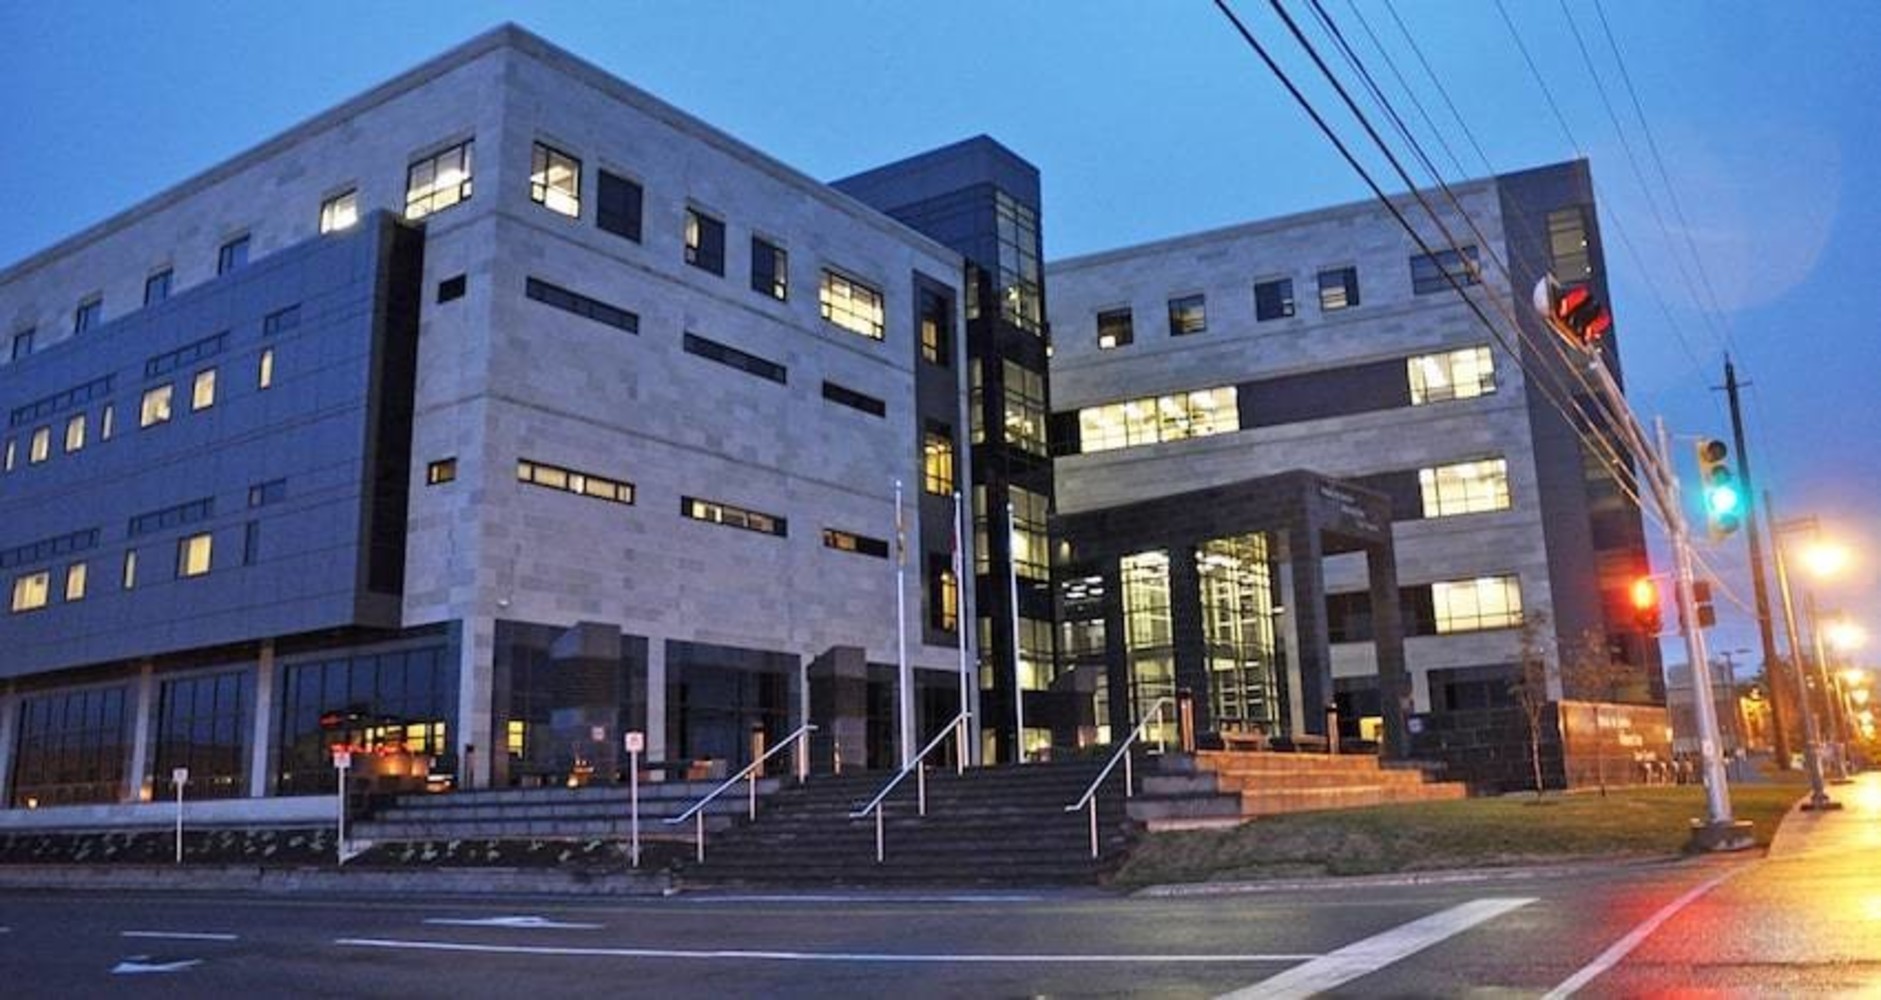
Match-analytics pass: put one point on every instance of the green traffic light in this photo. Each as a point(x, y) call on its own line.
point(1723, 500)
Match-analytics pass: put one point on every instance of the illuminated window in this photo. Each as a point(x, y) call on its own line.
point(1148, 637)
point(1465, 488)
point(41, 447)
point(156, 405)
point(569, 481)
point(75, 582)
point(1463, 374)
point(1338, 288)
point(937, 459)
point(340, 212)
point(439, 181)
point(1188, 314)
point(192, 554)
point(442, 471)
point(943, 591)
point(733, 517)
point(1115, 328)
point(75, 433)
point(32, 591)
point(850, 304)
point(863, 545)
point(1026, 422)
point(937, 327)
point(157, 287)
point(1473, 605)
point(770, 269)
point(976, 401)
point(108, 422)
point(12, 448)
point(1019, 285)
point(705, 242)
point(1031, 547)
point(1273, 299)
point(130, 569)
point(202, 391)
point(1155, 419)
point(265, 376)
point(1428, 270)
point(555, 180)
point(232, 255)
point(90, 313)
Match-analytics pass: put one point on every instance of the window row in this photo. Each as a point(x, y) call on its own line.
point(1155, 419)
point(194, 558)
point(1443, 608)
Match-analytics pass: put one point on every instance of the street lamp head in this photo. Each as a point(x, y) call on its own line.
point(1826, 559)
point(1845, 635)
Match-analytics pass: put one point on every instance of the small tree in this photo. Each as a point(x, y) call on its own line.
point(1530, 686)
point(1589, 670)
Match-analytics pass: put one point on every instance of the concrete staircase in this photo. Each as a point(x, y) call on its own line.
point(1225, 788)
point(559, 813)
point(997, 826)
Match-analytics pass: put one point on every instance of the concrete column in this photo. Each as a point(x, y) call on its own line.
point(1185, 626)
point(1289, 638)
point(1395, 697)
point(9, 730)
point(475, 682)
point(261, 728)
point(143, 709)
point(839, 704)
point(1307, 606)
point(656, 699)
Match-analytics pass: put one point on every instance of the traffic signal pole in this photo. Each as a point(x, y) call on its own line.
point(1783, 699)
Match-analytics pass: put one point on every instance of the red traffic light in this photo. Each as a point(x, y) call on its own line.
point(1645, 597)
point(1571, 301)
point(1573, 312)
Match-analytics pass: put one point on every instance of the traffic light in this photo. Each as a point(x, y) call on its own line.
point(1645, 597)
point(1717, 484)
point(1573, 312)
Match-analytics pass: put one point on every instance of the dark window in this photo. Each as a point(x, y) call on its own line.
point(733, 517)
point(1428, 270)
point(1417, 610)
point(937, 324)
point(1188, 314)
point(732, 357)
point(1463, 689)
point(844, 541)
point(251, 543)
point(403, 699)
point(1115, 328)
point(1349, 617)
point(47, 549)
point(203, 724)
point(705, 242)
point(271, 492)
point(853, 399)
point(1338, 288)
point(1273, 299)
point(451, 289)
point(74, 397)
point(194, 512)
point(157, 287)
point(188, 354)
point(233, 254)
point(770, 269)
point(22, 344)
point(617, 206)
point(71, 748)
point(444, 470)
point(581, 305)
point(88, 315)
point(281, 320)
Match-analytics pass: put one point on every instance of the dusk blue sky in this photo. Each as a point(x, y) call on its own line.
point(1147, 120)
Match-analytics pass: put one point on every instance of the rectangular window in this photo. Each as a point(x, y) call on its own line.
point(1465, 488)
point(251, 543)
point(1473, 605)
point(850, 304)
point(581, 305)
point(192, 555)
point(48, 548)
point(340, 212)
point(1338, 288)
point(1273, 299)
point(271, 492)
point(770, 269)
point(75, 433)
point(202, 392)
point(12, 446)
point(439, 181)
point(130, 568)
point(555, 180)
point(1148, 635)
point(232, 255)
point(844, 541)
point(75, 575)
point(188, 354)
point(1462, 374)
point(88, 315)
point(442, 471)
point(108, 422)
point(976, 401)
point(554, 477)
point(1026, 420)
point(264, 376)
point(452, 288)
point(156, 406)
point(1188, 314)
point(157, 287)
point(1567, 245)
point(1115, 328)
point(32, 591)
point(1428, 270)
point(1177, 417)
point(705, 242)
point(173, 516)
point(733, 517)
point(617, 206)
point(1020, 298)
point(854, 400)
point(281, 320)
point(1031, 549)
point(41, 447)
point(943, 590)
point(937, 459)
point(23, 344)
point(732, 357)
point(937, 328)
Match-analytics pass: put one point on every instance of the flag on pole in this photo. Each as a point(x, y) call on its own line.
point(901, 528)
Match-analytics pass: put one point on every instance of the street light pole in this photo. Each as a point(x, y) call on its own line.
point(1829, 696)
point(1812, 760)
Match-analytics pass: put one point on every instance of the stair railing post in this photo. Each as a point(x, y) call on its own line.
point(1129, 776)
point(920, 783)
point(1093, 826)
point(960, 738)
point(878, 833)
point(751, 797)
point(698, 839)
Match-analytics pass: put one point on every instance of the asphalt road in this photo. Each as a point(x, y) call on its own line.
point(1525, 934)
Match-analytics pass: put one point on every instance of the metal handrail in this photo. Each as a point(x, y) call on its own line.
point(957, 726)
point(1129, 776)
point(697, 812)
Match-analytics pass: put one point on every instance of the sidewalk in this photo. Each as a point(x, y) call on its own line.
point(1853, 829)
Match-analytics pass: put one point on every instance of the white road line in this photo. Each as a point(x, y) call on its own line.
point(1619, 949)
point(858, 898)
point(542, 923)
point(1373, 953)
point(808, 956)
point(181, 935)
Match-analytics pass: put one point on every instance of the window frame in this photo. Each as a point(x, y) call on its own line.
point(1128, 328)
point(562, 199)
point(232, 255)
point(1279, 303)
point(339, 212)
point(704, 238)
point(839, 307)
point(775, 283)
point(1347, 287)
point(422, 202)
point(1188, 314)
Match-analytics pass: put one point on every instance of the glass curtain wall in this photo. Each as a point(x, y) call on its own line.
point(202, 724)
point(379, 703)
point(1237, 597)
point(72, 748)
point(1149, 639)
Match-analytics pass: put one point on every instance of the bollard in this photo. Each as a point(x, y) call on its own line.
point(1185, 719)
point(1332, 727)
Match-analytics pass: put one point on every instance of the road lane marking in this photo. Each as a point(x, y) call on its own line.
point(807, 956)
point(517, 922)
point(1373, 953)
point(858, 898)
point(139, 964)
point(181, 935)
point(1621, 948)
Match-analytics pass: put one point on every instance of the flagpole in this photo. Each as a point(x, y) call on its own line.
point(1018, 685)
point(960, 620)
point(903, 676)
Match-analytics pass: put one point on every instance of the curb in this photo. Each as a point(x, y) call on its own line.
point(1183, 890)
point(332, 881)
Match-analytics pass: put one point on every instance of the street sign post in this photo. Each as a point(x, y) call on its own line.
point(179, 776)
point(342, 761)
point(635, 743)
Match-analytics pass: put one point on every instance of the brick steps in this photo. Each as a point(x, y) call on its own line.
point(1225, 788)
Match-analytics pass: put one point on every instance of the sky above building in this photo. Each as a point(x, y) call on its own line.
point(1150, 120)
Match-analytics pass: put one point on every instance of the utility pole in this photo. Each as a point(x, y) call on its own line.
point(1780, 703)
